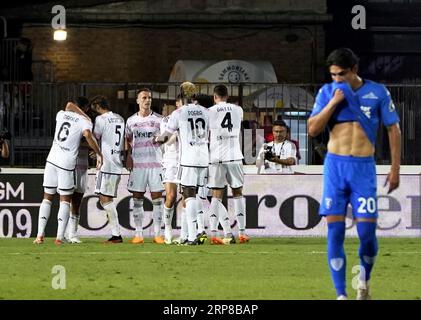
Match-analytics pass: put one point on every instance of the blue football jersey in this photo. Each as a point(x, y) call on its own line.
point(369, 104)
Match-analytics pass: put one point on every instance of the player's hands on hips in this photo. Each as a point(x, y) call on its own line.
point(338, 96)
point(393, 180)
point(98, 161)
point(129, 163)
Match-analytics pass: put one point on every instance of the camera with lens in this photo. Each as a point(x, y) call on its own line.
point(268, 152)
point(5, 135)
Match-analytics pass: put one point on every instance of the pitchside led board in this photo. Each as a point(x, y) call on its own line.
point(277, 205)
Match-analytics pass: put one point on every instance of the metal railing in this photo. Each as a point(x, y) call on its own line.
point(28, 110)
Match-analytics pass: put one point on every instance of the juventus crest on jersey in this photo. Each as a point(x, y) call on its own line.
point(109, 129)
point(65, 148)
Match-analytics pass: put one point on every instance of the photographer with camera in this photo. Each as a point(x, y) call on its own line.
point(278, 155)
point(4, 145)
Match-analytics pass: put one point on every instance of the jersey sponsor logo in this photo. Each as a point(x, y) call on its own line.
point(370, 95)
point(219, 138)
point(197, 143)
point(140, 134)
point(113, 151)
point(367, 111)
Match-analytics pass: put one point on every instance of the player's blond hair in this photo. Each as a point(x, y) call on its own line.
point(188, 90)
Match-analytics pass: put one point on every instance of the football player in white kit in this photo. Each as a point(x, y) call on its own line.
point(192, 123)
point(81, 174)
point(226, 166)
point(170, 162)
point(71, 125)
point(203, 192)
point(109, 130)
point(144, 161)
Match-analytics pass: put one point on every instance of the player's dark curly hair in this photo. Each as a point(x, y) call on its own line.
point(102, 101)
point(342, 57)
point(82, 102)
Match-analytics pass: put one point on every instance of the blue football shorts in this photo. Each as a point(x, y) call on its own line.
point(349, 180)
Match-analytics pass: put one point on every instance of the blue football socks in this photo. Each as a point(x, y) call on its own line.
point(368, 248)
point(336, 255)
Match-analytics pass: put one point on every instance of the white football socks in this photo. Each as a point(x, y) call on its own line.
point(73, 225)
point(184, 226)
point(200, 215)
point(168, 214)
point(224, 219)
point(214, 217)
point(43, 215)
point(137, 215)
point(62, 219)
point(112, 214)
point(191, 213)
point(157, 216)
point(240, 214)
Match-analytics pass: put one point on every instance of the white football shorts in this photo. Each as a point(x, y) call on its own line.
point(221, 174)
point(107, 184)
point(192, 176)
point(81, 177)
point(57, 180)
point(139, 179)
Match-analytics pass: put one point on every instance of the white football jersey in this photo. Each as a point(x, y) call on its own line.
point(225, 129)
point(140, 132)
point(65, 148)
point(109, 130)
point(171, 151)
point(192, 123)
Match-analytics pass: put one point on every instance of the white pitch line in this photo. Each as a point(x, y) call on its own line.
point(150, 252)
point(185, 252)
point(20, 204)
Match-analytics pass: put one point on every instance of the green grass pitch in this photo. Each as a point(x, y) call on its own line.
point(265, 268)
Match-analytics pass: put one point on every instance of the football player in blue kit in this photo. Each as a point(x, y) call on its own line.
point(352, 108)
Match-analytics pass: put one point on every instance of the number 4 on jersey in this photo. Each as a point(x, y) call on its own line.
point(226, 122)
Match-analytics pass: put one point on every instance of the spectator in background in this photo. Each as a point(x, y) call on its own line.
point(278, 155)
point(23, 51)
point(4, 146)
point(267, 126)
